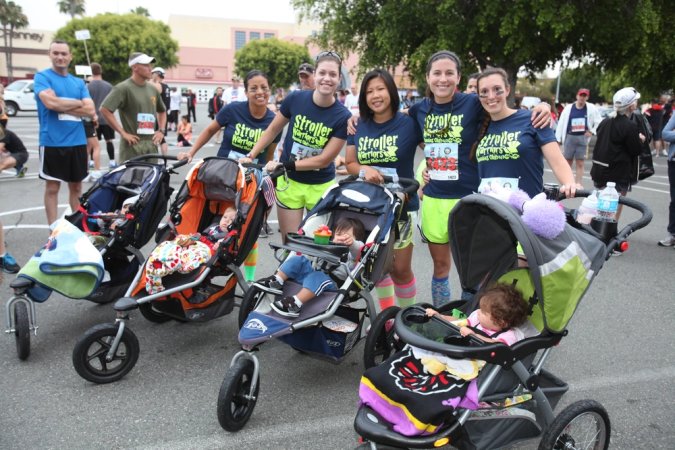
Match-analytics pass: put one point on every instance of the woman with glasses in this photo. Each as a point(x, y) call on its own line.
point(243, 123)
point(384, 144)
point(317, 130)
point(449, 119)
point(510, 151)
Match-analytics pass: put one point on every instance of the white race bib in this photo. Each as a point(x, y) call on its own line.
point(69, 117)
point(486, 184)
point(442, 161)
point(146, 124)
point(578, 125)
point(302, 151)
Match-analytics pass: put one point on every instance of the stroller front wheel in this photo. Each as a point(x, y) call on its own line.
point(152, 314)
point(21, 330)
point(235, 401)
point(381, 341)
point(583, 424)
point(90, 354)
point(251, 300)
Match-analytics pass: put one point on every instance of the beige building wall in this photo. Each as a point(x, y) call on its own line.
point(29, 55)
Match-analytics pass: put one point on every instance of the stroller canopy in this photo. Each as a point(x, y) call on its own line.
point(374, 198)
point(485, 233)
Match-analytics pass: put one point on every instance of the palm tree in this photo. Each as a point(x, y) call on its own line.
point(140, 11)
point(71, 7)
point(12, 18)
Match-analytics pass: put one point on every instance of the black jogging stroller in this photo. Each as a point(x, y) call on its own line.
point(107, 352)
point(145, 180)
point(331, 324)
point(515, 395)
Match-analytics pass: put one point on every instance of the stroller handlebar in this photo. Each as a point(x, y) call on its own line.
point(166, 158)
point(641, 222)
point(408, 185)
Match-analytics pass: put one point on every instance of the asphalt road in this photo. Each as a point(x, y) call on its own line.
point(619, 352)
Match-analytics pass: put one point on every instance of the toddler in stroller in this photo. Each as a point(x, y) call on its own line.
point(185, 253)
point(349, 232)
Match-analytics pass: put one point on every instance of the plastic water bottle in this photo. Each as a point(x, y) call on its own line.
point(588, 208)
point(608, 203)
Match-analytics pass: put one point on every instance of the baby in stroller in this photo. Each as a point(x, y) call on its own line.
point(185, 253)
point(348, 231)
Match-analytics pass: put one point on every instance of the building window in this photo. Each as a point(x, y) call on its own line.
point(253, 35)
point(269, 35)
point(239, 39)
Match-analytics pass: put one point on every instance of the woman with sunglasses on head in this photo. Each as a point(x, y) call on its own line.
point(384, 144)
point(316, 133)
point(243, 123)
point(510, 150)
point(449, 120)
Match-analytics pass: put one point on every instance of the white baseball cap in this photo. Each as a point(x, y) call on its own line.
point(158, 69)
point(140, 58)
point(625, 97)
point(131, 200)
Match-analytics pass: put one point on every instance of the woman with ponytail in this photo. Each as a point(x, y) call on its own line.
point(510, 151)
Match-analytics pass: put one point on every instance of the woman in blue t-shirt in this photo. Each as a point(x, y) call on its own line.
point(510, 151)
point(317, 130)
point(449, 121)
point(384, 144)
point(243, 123)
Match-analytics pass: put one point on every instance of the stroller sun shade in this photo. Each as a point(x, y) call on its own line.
point(485, 233)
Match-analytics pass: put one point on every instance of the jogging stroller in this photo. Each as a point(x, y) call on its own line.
point(330, 324)
point(107, 352)
point(515, 395)
point(144, 182)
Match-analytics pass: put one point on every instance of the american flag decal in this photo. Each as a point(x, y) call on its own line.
point(268, 191)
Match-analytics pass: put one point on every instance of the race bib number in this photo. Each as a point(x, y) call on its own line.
point(146, 124)
point(299, 151)
point(487, 184)
point(69, 117)
point(578, 125)
point(442, 161)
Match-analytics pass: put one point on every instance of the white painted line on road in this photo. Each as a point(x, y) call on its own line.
point(37, 208)
point(643, 377)
point(27, 225)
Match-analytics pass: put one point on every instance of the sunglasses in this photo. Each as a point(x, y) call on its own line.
point(328, 54)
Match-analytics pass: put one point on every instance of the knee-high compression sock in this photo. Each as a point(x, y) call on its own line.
point(250, 263)
point(406, 293)
point(110, 148)
point(440, 291)
point(385, 292)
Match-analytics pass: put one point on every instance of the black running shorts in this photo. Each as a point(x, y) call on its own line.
point(67, 164)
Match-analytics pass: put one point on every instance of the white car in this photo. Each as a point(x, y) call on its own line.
point(19, 96)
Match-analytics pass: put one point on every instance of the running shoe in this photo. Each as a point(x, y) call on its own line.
point(112, 164)
point(8, 264)
point(91, 164)
point(270, 284)
point(667, 242)
point(21, 171)
point(286, 307)
point(664, 153)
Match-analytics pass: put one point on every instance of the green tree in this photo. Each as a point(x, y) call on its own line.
point(11, 18)
point(278, 59)
point(71, 7)
point(518, 34)
point(114, 37)
point(141, 11)
point(587, 76)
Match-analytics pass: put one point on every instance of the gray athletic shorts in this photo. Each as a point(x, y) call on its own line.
point(575, 147)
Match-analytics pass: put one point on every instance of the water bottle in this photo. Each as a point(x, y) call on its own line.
point(588, 208)
point(608, 203)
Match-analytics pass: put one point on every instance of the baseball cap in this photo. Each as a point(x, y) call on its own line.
point(140, 58)
point(625, 97)
point(306, 68)
point(236, 78)
point(131, 200)
point(584, 91)
point(158, 69)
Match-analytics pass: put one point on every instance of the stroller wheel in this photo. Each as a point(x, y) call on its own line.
point(235, 402)
point(151, 314)
point(583, 424)
point(251, 300)
point(89, 354)
point(381, 341)
point(21, 330)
